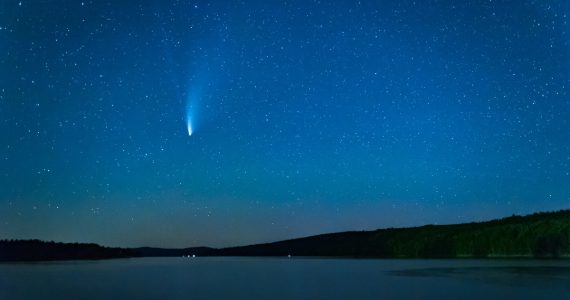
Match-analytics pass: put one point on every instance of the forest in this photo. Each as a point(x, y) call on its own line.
point(540, 235)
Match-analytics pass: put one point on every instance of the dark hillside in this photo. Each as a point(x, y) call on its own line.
point(35, 250)
point(542, 235)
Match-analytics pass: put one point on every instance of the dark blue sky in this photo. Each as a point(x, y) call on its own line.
point(307, 116)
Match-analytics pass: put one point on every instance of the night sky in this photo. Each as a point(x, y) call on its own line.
point(306, 117)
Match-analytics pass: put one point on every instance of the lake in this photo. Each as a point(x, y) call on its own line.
point(285, 278)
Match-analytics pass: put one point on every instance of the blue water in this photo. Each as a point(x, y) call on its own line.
point(283, 278)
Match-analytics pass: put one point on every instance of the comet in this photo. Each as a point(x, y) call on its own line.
point(192, 103)
point(190, 118)
point(189, 125)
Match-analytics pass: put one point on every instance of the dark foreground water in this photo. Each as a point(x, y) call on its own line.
point(283, 278)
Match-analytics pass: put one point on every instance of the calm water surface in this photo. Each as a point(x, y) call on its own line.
point(282, 278)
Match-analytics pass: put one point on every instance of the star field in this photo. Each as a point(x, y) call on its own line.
point(307, 117)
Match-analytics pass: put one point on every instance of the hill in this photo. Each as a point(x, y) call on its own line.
point(162, 252)
point(36, 250)
point(541, 235)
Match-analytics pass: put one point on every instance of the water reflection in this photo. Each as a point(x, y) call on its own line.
point(540, 276)
point(286, 278)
